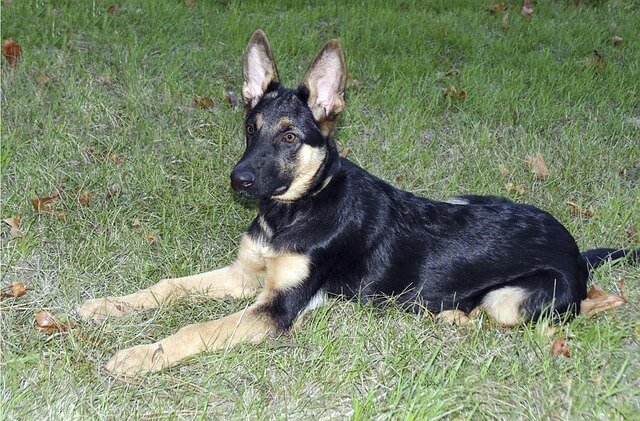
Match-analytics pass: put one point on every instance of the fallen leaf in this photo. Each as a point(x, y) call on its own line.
point(203, 103)
point(596, 292)
point(527, 8)
point(454, 317)
point(345, 151)
point(497, 7)
point(14, 226)
point(231, 98)
point(504, 170)
point(112, 9)
point(505, 21)
point(137, 223)
point(576, 210)
point(106, 80)
point(150, 237)
point(45, 204)
point(453, 92)
point(16, 290)
point(537, 166)
point(518, 189)
point(617, 41)
point(11, 50)
point(48, 323)
point(42, 79)
point(61, 215)
point(560, 347)
point(113, 158)
point(599, 300)
point(450, 73)
point(85, 197)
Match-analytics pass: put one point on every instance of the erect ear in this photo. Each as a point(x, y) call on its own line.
point(259, 68)
point(325, 81)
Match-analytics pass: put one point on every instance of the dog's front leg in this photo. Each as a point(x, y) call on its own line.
point(249, 325)
point(239, 280)
point(288, 290)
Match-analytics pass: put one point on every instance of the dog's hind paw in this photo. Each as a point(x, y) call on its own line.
point(101, 308)
point(137, 360)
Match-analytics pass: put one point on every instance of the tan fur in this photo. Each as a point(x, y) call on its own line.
point(239, 280)
point(283, 123)
point(259, 121)
point(310, 160)
point(503, 305)
point(249, 325)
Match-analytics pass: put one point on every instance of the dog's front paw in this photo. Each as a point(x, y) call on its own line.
point(104, 307)
point(137, 360)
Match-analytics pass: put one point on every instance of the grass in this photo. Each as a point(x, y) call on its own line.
point(124, 84)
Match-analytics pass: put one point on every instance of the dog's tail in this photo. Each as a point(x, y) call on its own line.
point(597, 257)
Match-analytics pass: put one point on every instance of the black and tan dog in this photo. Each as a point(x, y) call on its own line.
point(327, 226)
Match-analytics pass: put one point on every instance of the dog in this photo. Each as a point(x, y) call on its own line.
point(326, 227)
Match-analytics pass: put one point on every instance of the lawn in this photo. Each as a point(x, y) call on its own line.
point(126, 109)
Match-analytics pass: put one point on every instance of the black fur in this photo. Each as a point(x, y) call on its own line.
point(369, 239)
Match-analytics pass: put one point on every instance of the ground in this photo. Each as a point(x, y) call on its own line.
point(123, 108)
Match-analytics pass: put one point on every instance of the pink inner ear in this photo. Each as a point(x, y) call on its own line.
point(327, 89)
point(255, 85)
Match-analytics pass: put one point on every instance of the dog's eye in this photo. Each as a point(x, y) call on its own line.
point(289, 137)
point(251, 129)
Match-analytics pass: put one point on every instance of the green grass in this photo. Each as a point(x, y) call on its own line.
point(534, 87)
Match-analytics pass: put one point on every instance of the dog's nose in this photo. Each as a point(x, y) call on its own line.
point(242, 178)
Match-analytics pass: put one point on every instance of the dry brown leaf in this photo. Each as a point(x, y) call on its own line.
point(48, 323)
point(42, 79)
point(106, 80)
point(497, 7)
point(576, 210)
point(112, 9)
point(455, 93)
point(136, 223)
point(617, 41)
point(560, 347)
point(85, 197)
point(599, 300)
point(113, 158)
point(61, 216)
point(14, 226)
point(150, 237)
point(527, 8)
point(203, 103)
point(517, 189)
point(16, 290)
point(345, 151)
point(450, 73)
point(537, 166)
point(596, 292)
point(11, 50)
point(45, 204)
point(454, 317)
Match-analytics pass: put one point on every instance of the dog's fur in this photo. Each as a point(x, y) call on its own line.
point(326, 226)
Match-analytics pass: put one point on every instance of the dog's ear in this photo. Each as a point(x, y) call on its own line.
point(259, 68)
point(325, 80)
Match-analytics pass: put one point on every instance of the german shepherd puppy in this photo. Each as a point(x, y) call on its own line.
point(326, 226)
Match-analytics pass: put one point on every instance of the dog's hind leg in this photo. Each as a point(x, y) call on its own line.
point(239, 280)
point(529, 297)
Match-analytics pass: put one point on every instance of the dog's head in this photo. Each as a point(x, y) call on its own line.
point(289, 132)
